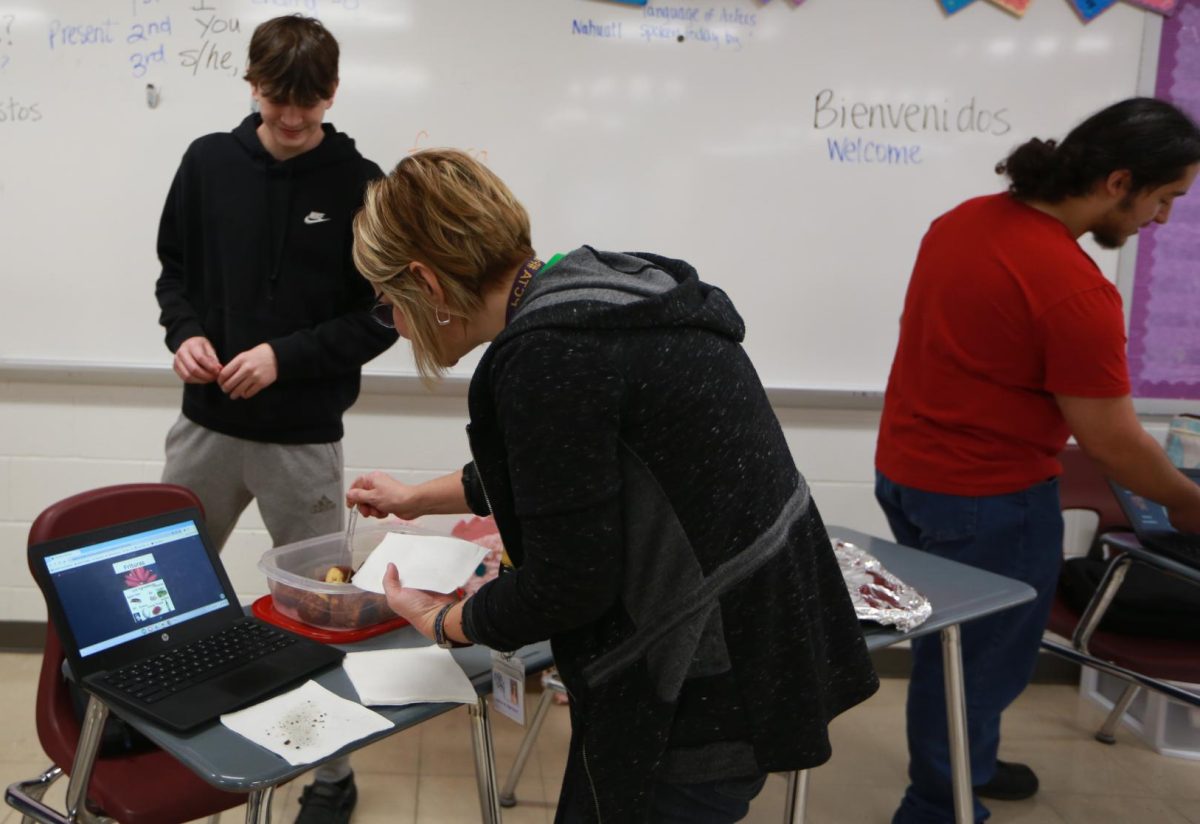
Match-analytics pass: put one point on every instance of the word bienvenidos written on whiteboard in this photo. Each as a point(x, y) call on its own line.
point(831, 111)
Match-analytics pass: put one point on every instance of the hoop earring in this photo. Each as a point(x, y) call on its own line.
point(437, 315)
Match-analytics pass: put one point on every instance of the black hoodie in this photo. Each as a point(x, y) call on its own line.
point(664, 540)
point(257, 250)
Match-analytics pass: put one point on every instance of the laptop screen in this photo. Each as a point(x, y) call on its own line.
point(1144, 515)
point(117, 591)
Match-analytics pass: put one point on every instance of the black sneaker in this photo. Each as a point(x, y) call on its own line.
point(1012, 782)
point(328, 802)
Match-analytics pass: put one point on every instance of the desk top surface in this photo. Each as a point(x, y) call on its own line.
point(231, 762)
point(957, 592)
point(1128, 542)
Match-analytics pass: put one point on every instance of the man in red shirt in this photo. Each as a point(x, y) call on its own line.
point(1012, 340)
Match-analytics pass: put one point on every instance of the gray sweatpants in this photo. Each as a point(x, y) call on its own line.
point(299, 487)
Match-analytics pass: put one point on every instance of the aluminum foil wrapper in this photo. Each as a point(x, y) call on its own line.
point(877, 594)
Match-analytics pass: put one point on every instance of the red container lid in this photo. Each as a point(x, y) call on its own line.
point(264, 609)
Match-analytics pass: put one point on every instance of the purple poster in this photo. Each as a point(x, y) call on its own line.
point(1164, 318)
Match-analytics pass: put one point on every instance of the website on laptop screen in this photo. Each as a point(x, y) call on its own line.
point(121, 590)
point(1144, 514)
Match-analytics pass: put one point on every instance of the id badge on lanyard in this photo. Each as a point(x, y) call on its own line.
point(508, 686)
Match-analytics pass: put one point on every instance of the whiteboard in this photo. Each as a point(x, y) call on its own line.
point(794, 155)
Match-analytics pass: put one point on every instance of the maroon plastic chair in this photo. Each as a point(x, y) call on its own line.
point(1139, 660)
point(148, 787)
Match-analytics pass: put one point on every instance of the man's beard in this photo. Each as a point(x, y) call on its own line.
point(1109, 233)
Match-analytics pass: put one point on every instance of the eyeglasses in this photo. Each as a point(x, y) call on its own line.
point(381, 312)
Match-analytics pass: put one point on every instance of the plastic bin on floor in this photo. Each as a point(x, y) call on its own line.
point(1170, 727)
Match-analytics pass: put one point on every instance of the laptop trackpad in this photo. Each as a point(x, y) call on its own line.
point(253, 681)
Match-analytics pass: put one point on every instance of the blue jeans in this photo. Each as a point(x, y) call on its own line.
point(1018, 535)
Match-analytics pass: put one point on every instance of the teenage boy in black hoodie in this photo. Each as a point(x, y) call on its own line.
point(267, 315)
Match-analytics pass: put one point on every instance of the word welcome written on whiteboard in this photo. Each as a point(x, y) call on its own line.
point(897, 117)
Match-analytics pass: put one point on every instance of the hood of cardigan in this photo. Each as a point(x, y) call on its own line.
point(589, 289)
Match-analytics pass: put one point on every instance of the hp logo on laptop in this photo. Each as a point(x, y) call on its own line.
point(166, 637)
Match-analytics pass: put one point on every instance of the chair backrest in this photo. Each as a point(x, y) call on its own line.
point(108, 505)
point(1083, 486)
point(57, 725)
point(144, 787)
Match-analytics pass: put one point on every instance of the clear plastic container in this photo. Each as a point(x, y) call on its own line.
point(296, 575)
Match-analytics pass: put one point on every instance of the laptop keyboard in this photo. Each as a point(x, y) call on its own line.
point(1178, 546)
point(153, 679)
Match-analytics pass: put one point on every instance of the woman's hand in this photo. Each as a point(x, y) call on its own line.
point(417, 606)
point(378, 495)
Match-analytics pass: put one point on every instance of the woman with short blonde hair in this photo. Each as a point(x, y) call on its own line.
point(454, 216)
point(661, 535)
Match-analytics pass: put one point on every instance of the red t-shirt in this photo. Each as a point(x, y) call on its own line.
point(1004, 310)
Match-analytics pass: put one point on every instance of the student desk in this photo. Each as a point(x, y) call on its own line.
point(1128, 549)
point(958, 593)
point(231, 762)
point(1126, 656)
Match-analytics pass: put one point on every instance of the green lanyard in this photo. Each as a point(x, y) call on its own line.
point(524, 276)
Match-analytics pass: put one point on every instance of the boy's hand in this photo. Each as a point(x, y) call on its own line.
point(249, 373)
point(196, 361)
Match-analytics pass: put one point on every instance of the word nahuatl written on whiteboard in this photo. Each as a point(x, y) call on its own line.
point(725, 27)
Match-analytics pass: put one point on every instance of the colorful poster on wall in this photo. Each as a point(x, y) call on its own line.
point(1088, 9)
point(951, 6)
point(1164, 337)
point(1160, 6)
point(1017, 7)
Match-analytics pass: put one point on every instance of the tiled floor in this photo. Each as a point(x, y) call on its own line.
point(425, 774)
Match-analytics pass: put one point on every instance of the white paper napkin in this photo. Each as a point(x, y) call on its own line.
point(305, 724)
point(390, 677)
point(428, 562)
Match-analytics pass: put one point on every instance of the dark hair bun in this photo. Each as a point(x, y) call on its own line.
point(1031, 167)
point(1152, 139)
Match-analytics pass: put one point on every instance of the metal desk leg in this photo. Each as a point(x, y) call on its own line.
point(485, 761)
point(1114, 576)
point(956, 717)
point(258, 806)
point(1107, 734)
point(508, 795)
point(797, 797)
point(85, 758)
